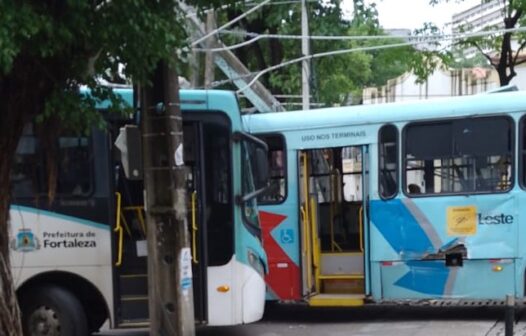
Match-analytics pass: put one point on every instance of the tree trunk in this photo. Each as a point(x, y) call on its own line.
point(502, 66)
point(9, 312)
point(21, 93)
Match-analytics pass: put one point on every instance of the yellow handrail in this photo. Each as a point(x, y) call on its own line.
point(138, 209)
point(118, 229)
point(332, 211)
point(315, 241)
point(194, 227)
point(361, 227)
point(306, 246)
point(307, 214)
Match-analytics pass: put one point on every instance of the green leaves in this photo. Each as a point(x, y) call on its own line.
point(500, 50)
point(49, 48)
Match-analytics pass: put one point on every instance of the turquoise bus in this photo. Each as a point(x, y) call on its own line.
point(414, 202)
point(81, 260)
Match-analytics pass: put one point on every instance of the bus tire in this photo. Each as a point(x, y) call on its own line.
point(51, 310)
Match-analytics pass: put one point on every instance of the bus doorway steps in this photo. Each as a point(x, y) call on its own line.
point(134, 298)
point(342, 284)
point(336, 300)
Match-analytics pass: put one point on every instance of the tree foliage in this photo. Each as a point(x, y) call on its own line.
point(503, 51)
point(48, 49)
point(334, 77)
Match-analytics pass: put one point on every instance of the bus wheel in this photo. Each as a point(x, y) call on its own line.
point(52, 311)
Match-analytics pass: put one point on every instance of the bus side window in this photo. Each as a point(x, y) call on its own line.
point(75, 166)
point(277, 190)
point(459, 155)
point(25, 177)
point(388, 161)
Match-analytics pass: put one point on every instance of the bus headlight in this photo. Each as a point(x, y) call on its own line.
point(256, 263)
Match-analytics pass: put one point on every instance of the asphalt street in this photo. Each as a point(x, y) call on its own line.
point(369, 321)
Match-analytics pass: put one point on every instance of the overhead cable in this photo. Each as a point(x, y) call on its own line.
point(421, 39)
point(229, 23)
point(345, 51)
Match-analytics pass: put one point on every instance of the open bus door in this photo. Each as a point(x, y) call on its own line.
point(131, 285)
point(333, 195)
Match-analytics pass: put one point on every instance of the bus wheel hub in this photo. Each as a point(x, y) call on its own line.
point(44, 322)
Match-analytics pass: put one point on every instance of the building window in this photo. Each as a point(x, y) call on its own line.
point(458, 156)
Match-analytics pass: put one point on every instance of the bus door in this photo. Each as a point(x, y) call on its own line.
point(332, 193)
point(130, 251)
point(194, 158)
point(131, 301)
point(211, 217)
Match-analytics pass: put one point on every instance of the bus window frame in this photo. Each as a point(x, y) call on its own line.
point(397, 167)
point(283, 139)
point(513, 153)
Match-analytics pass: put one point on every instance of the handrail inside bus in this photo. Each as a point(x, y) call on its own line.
point(306, 215)
point(139, 210)
point(118, 229)
point(315, 241)
point(306, 247)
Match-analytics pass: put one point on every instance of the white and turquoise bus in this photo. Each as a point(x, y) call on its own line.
point(420, 202)
point(81, 260)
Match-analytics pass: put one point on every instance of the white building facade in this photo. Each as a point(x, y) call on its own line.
point(441, 84)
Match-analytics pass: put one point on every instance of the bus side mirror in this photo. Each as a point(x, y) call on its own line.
point(129, 144)
point(262, 176)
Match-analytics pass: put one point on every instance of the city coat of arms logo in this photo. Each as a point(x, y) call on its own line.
point(25, 241)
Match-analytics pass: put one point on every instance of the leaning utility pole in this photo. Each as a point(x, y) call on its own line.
point(170, 292)
point(305, 50)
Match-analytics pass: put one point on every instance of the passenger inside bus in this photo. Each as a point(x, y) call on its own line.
point(414, 189)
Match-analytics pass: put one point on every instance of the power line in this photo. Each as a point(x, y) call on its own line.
point(421, 39)
point(345, 51)
point(228, 24)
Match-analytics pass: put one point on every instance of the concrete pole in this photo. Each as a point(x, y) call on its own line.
point(509, 319)
point(169, 257)
point(305, 50)
point(210, 43)
point(194, 62)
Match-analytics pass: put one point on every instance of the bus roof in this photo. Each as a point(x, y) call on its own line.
point(191, 100)
point(481, 104)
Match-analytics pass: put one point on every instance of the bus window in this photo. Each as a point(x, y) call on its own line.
point(74, 175)
point(459, 156)
point(74, 170)
point(276, 192)
point(388, 161)
point(24, 177)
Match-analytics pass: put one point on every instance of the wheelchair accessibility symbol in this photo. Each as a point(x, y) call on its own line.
point(286, 236)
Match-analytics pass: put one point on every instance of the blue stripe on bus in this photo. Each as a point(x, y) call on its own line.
point(409, 240)
point(400, 228)
point(428, 277)
point(60, 216)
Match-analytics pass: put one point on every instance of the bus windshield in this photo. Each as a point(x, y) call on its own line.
point(254, 181)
